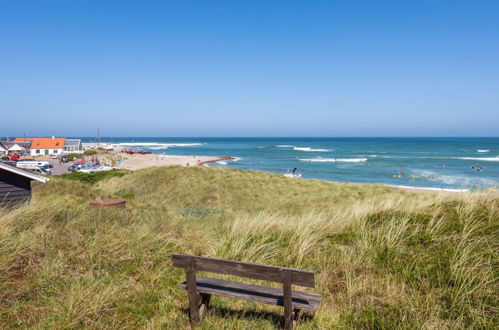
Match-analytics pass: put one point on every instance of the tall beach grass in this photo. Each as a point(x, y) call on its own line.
point(383, 257)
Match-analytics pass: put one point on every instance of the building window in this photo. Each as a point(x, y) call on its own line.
point(37, 151)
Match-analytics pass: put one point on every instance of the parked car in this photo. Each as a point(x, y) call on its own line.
point(33, 165)
point(8, 162)
point(37, 169)
point(74, 167)
point(34, 162)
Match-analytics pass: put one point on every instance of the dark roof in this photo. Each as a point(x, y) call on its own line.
point(24, 173)
point(8, 144)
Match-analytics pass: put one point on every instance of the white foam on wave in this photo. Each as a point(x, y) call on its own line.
point(235, 159)
point(485, 159)
point(309, 149)
point(483, 150)
point(334, 160)
point(302, 148)
point(158, 146)
point(461, 180)
point(221, 162)
point(432, 188)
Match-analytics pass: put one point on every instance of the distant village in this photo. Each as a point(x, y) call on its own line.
point(49, 155)
point(25, 159)
point(27, 146)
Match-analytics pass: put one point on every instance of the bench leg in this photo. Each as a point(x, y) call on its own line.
point(288, 297)
point(205, 303)
point(190, 274)
point(194, 307)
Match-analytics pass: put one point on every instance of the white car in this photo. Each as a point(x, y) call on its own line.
point(28, 162)
point(37, 169)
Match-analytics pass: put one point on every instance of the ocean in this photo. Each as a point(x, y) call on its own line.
point(448, 163)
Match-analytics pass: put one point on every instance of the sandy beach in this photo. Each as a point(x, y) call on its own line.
point(139, 161)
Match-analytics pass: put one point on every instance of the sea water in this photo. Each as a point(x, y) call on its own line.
point(448, 163)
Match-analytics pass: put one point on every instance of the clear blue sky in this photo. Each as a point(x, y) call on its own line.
point(249, 68)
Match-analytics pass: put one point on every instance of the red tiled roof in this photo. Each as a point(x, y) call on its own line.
point(44, 143)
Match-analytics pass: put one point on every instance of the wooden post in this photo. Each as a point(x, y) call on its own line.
point(190, 274)
point(288, 299)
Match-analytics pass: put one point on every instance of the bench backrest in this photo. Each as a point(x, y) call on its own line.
point(244, 269)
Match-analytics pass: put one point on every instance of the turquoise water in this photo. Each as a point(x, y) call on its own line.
point(455, 163)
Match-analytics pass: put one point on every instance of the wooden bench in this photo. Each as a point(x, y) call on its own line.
point(200, 288)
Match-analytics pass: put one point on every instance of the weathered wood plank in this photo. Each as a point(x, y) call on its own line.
point(12, 200)
point(258, 293)
point(244, 269)
point(9, 188)
point(14, 189)
point(15, 193)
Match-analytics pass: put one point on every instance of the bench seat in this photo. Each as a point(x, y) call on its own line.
point(262, 294)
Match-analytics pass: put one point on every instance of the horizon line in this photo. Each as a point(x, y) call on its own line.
point(262, 137)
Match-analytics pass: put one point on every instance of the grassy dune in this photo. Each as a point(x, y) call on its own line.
point(384, 257)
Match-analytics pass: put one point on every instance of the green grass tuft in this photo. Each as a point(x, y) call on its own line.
point(93, 178)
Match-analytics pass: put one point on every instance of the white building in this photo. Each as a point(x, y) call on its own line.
point(44, 146)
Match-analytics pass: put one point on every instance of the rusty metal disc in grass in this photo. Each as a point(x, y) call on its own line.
point(109, 202)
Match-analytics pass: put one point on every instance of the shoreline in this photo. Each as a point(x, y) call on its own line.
point(142, 161)
point(429, 189)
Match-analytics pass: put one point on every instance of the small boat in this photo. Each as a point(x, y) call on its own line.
point(292, 174)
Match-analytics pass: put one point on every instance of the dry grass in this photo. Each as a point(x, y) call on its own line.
point(384, 258)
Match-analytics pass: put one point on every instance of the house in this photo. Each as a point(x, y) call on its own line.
point(3, 150)
point(15, 185)
point(44, 146)
point(73, 146)
point(14, 147)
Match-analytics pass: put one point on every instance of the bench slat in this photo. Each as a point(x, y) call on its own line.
point(262, 294)
point(244, 269)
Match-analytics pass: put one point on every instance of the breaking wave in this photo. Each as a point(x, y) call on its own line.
point(302, 148)
point(334, 160)
point(159, 146)
point(432, 188)
point(309, 149)
point(485, 159)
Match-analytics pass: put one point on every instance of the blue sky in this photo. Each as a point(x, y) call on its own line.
point(249, 68)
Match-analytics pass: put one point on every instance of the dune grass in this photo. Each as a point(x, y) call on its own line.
point(383, 257)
